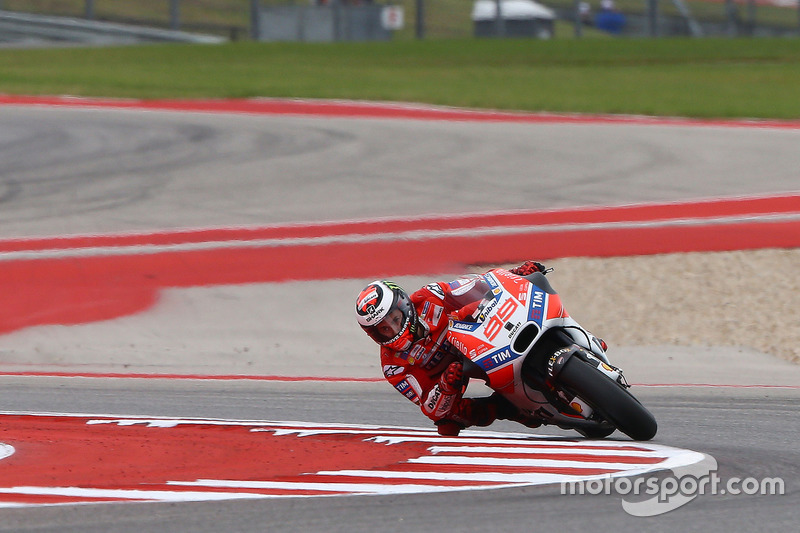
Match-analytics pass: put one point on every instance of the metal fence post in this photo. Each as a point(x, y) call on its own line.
point(652, 17)
point(578, 21)
point(174, 14)
point(255, 26)
point(500, 22)
point(88, 11)
point(751, 17)
point(420, 30)
point(733, 17)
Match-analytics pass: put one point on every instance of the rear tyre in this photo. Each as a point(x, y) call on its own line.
point(595, 433)
point(608, 398)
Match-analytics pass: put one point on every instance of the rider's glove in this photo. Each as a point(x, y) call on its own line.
point(451, 380)
point(528, 267)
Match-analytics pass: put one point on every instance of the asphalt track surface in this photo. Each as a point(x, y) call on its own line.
point(74, 171)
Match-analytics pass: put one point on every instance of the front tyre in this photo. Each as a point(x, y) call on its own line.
point(608, 398)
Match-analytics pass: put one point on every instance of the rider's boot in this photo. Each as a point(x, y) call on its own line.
point(448, 428)
point(468, 412)
point(505, 410)
point(482, 412)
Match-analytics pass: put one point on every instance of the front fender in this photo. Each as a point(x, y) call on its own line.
point(560, 358)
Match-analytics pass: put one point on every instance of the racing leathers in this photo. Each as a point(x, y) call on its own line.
point(428, 372)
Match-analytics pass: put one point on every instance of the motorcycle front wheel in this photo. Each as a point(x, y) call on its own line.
point(607, 397)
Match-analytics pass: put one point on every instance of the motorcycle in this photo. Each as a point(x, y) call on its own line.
point(524, 345)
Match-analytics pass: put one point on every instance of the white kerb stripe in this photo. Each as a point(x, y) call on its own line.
point(415, 235)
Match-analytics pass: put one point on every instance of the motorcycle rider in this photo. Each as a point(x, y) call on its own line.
point(416, 357)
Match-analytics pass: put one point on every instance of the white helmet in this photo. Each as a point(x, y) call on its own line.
point(385, 312)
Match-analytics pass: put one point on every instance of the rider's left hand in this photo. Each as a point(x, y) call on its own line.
point(452, 378)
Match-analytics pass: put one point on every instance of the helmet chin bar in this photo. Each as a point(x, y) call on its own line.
point(400, 334)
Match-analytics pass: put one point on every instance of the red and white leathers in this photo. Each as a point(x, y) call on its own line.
point(415, 371)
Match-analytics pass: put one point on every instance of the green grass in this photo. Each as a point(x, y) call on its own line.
point(675, 77)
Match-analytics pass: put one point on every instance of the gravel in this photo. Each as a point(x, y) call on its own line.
point(739, 298)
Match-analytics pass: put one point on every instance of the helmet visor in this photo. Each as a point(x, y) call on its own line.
point(388, 329)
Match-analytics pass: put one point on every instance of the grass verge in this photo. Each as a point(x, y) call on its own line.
point(670, 77)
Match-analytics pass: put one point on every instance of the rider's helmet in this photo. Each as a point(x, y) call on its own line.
point(385, 312)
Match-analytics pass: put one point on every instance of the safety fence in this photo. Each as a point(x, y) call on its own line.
point(435, 19)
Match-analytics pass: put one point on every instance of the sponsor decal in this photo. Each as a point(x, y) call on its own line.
point(493, 360)
point(536, 307)
point(557, 359)
point(372, 304)
point(375, 315)
point(505, 273)
point(414, 385)
point(437, 313)
point(431, 313)
point(487, 309)
point(405, 388)
point(459, 344)
point(444, 407)
point(406, 356)
point(434, 360)
point(436, 290)
point(433, 398)
point(464, 326)
point(392, 285)
point(392, 370)
point(513, 329)
point(415, 353)
point(462, 286)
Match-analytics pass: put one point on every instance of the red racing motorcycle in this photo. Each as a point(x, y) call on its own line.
point(525, 346)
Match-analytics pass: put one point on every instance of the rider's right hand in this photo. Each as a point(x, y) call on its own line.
point(528, 267)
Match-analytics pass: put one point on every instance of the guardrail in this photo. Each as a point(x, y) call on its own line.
point(19, 27)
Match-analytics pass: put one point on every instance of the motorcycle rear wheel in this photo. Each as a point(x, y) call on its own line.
point(607, 397)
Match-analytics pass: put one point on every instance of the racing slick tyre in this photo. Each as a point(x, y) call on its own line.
point(608, 398)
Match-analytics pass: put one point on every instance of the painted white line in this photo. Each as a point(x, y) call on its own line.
point(476, 478)
point(519, 463)
point(358, 238)
point(6, 450)
point(355, 488)
point(472, 477)
point(572, 450)
point(128, 494)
